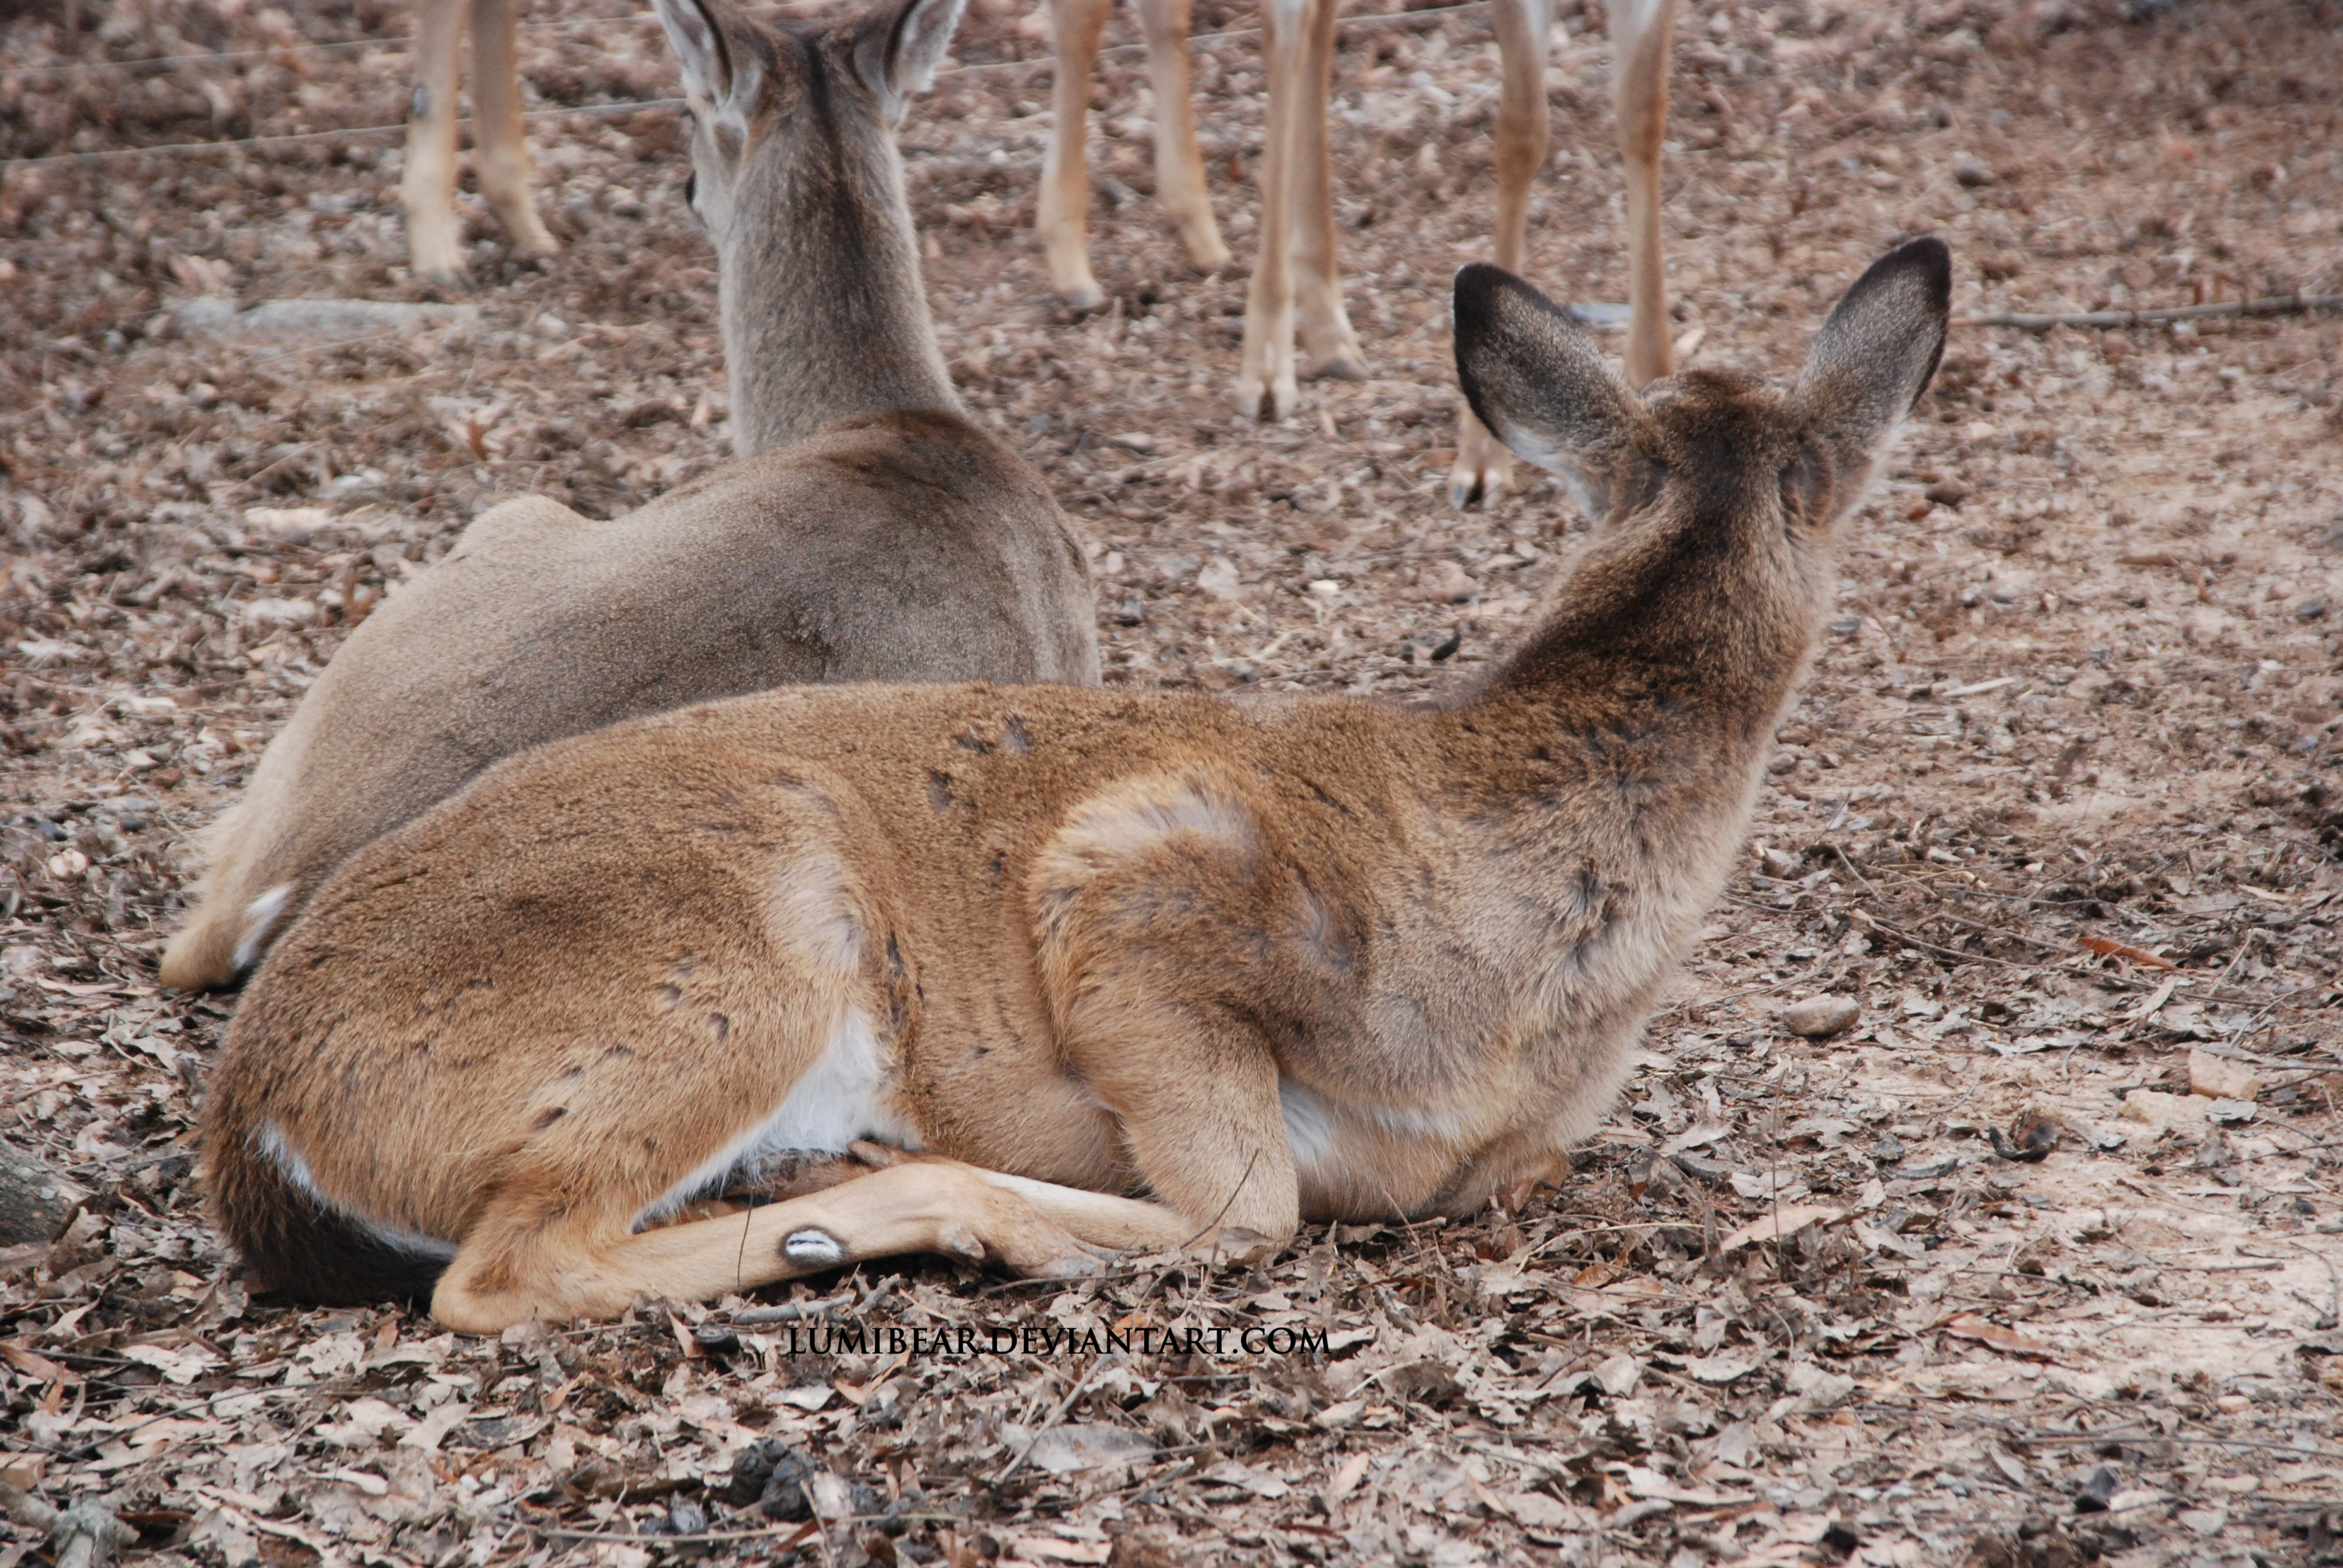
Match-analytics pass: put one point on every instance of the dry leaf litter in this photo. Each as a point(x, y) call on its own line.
point(1977, 1197)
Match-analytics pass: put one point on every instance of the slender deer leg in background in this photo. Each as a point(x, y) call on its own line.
point(1267, 366)
point(434, 238)
point(499, 144)
point(1483, 468)
point(1063, 215)
point(1178, 168)
point(1640, 32)
point(1326, 334)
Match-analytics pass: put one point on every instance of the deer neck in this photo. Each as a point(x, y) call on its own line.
point(824, 312)
point(1644, 707)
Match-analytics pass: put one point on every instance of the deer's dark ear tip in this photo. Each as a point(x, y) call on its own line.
point(1930, 259)
point(1478, 277)
point(1472, 296)
point(1479, 296)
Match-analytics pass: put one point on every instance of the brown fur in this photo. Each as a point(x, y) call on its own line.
point(875, 535)
point(1259, 960)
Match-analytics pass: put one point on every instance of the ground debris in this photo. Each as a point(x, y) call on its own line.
point(2056, 815)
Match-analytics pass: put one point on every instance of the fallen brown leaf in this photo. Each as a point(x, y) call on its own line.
point(1984, 1331)
point(2128, 953)
point(34, 1365)
point(1786, 1221)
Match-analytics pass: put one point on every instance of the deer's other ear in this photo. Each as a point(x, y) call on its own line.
point(1876, 353)
point(899, 56)
point(1539, 384)
point(720, 76)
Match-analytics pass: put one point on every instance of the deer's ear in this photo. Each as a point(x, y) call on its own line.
point(721, 77)
point(1539, 385)
point(1879, 350)
point(899, 56)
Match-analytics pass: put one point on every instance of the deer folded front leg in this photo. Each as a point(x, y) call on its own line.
point(520, 1262)
point(1099, 1220)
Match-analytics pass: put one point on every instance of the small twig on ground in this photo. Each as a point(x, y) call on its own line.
point(84, 1535)
point(1867, 920)
point(2269, 305)
point(328, 1556)
point(2148, 1438)
point(1052, 1419)
point(795, 1534)
point(2333, 1309)
point(788, 1312)
point(25, 1508)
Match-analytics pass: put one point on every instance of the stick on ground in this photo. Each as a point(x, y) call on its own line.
point(2269, 305)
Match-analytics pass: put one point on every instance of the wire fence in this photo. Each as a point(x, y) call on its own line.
point(291, 138)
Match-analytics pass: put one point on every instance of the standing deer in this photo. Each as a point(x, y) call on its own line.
point(1295, 273)
point(868, 532)
point(434, 237)
point(1296, 957)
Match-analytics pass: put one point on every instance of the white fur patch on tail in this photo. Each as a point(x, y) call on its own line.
point(259, 917)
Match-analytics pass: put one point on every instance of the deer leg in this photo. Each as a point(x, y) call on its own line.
point(1266, 369)
point(1208, 1138)
point(1483, 468)
point(1326, 327)
point(549, 1258)
point(1063, 213)
point(1096, 1219)
point(1640, 34)
point(1178, 168)
point(500, 146)
point(434, 240)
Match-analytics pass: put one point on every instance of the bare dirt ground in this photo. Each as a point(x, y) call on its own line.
point(2058, 810)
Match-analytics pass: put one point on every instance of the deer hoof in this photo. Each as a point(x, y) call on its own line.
point(813, 1249)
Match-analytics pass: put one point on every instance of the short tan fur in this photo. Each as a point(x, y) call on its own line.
point(435, 247)
point(1248, 962)
point(870, 532)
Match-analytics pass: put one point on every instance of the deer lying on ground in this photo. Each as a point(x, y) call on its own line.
point(1296, 957)
point(500, 149)
point(870, 532)
point(1296, 270)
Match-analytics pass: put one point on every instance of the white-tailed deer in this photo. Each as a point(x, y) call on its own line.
point(1295, 274)
point(1297, 956)
point(870, 531)
point(499, 149)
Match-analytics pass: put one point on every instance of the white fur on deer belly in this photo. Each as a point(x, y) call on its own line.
point(840, 1099)
point(1320, 1133)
